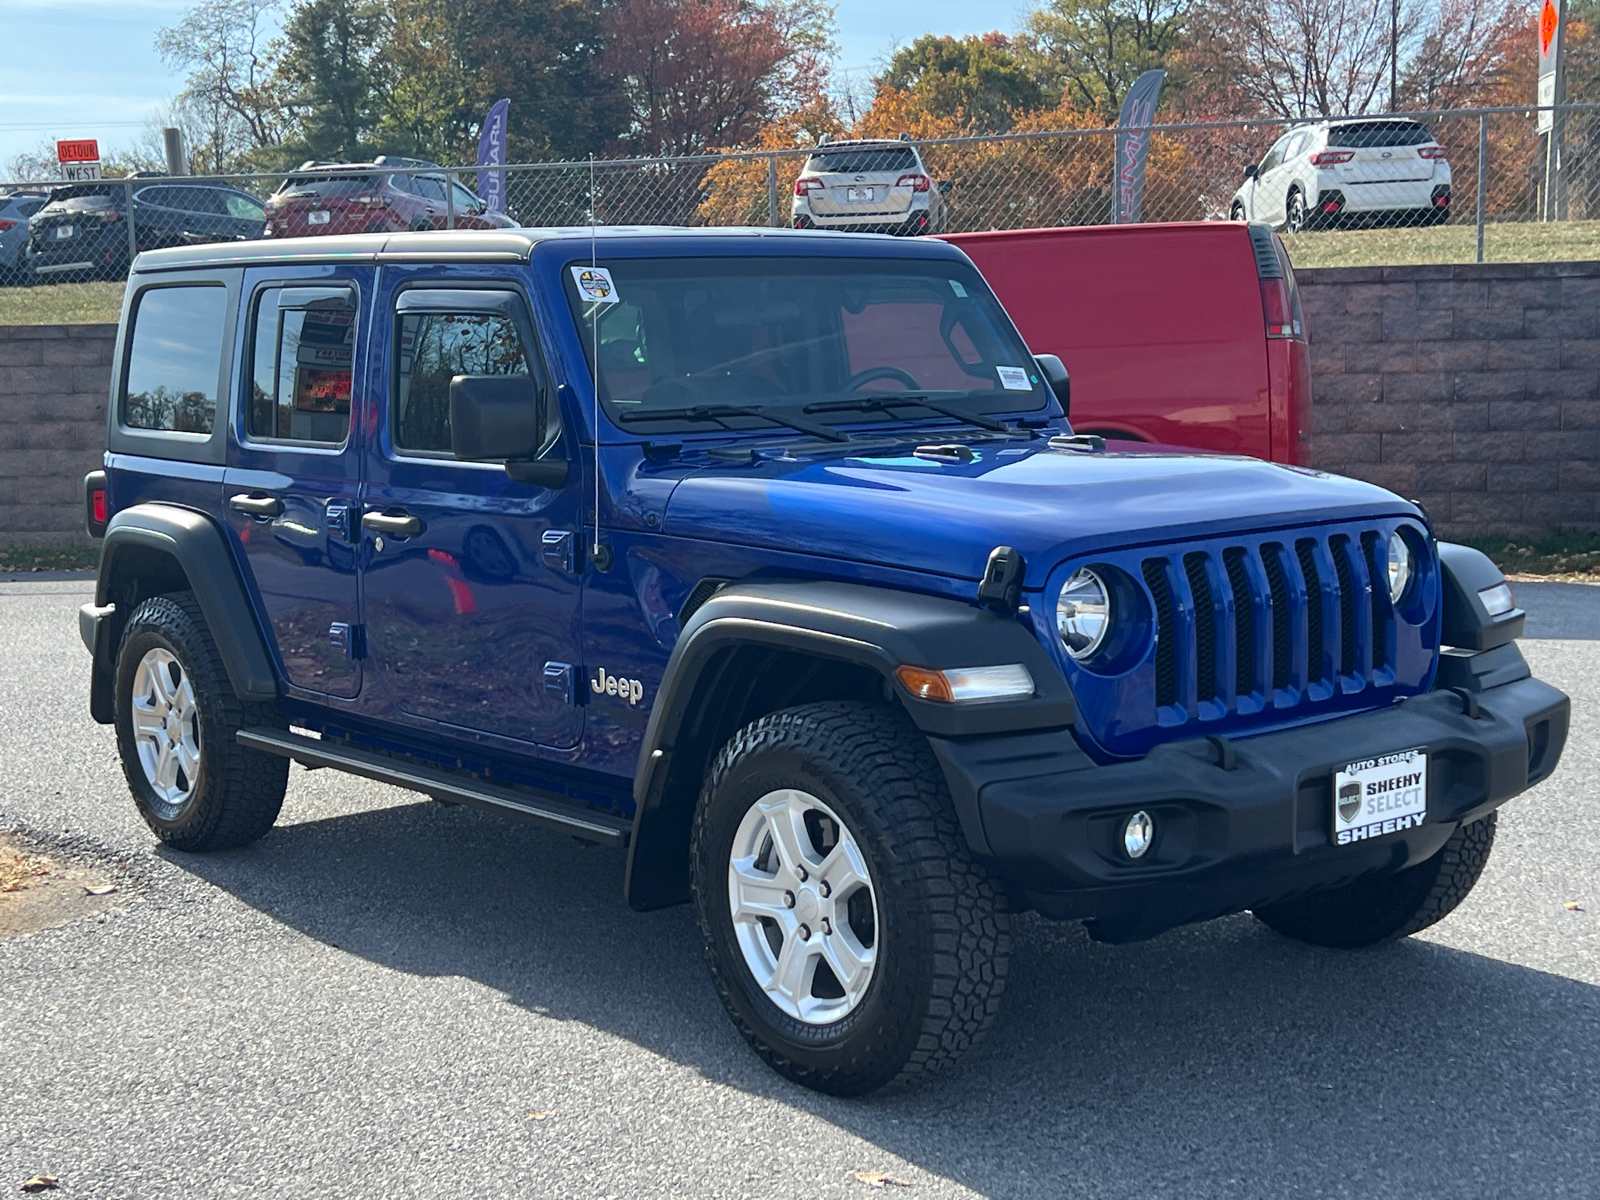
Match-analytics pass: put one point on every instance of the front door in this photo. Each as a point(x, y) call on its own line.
point(293, 474)
point(470, 578)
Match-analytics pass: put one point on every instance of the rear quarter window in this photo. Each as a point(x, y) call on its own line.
point(175, 359)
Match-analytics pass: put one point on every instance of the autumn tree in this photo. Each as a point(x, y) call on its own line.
point(977, 80)
point(234, 103)
point(1093, 50)
point(333, 67)
point(700, 73)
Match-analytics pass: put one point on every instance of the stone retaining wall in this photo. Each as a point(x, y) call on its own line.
point(1473, 388)
point(54, 380)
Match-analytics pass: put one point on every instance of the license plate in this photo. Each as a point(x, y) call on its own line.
point(859, 196)
point(63, 232)
point(317, 218)
point(1379, 796)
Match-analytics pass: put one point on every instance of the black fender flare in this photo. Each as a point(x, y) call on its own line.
point(196, 543)
point(866, 626)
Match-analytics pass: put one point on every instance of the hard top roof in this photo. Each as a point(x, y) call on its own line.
point(473, 245)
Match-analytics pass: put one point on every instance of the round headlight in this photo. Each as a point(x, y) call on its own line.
point(1399, 567)
point(1083, 614)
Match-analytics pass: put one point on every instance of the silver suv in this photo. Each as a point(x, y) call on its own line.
point(868, 187)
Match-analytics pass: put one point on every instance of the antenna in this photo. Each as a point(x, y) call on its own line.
point(599, 555)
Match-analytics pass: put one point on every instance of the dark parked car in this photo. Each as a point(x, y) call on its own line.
point(83, 233)
point(387, 195)
point(15, 209)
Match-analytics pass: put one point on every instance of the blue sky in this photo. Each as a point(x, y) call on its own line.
point(88, 68)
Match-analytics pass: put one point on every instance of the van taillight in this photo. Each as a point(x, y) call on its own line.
point(1280, 299)
point(1278, 309)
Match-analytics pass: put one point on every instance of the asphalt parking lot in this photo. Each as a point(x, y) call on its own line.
point(386, 997)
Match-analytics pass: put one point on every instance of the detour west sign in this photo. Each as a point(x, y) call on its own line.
point(78, 150)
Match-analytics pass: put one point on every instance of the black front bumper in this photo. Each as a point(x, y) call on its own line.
point(1238, 824)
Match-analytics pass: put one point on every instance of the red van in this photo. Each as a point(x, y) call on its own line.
point(1188, 334)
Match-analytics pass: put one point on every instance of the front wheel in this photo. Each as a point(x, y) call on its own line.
point(852, 938)
point(177, 718)
point(1236, 213)
point(1388, 907)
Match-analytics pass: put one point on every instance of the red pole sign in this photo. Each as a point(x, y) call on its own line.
point(78, 150)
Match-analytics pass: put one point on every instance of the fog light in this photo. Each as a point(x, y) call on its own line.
point(1137, 834)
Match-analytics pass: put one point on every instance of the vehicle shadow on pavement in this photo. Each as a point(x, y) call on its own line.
point(1214, 1055)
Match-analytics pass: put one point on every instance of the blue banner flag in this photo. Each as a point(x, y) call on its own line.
point(492, 153)
point(1133, 146)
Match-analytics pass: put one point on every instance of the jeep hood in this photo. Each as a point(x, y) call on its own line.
point(898, 510)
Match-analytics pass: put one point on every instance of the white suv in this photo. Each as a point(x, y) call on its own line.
point(1381, 171)
point(867, 187)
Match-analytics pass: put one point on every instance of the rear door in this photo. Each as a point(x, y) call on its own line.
point(294, 469)
point(470, 579)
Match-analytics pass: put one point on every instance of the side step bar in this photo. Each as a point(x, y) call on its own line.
point(312, 752)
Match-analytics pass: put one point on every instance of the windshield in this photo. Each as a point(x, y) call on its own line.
point(327, 185)
point(1361, 135)
point(787, 333)
point(859, 161)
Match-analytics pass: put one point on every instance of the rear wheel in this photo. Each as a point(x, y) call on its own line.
point(1388, 907)
point(177, 718)
point(1296, 217)
point(852, 938)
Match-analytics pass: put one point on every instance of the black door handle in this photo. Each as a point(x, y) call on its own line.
point(256, 506)
point(395, 524)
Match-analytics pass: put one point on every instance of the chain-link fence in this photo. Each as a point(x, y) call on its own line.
point(1459, 185)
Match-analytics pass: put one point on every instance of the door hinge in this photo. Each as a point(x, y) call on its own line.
point(340, 516)
point(561, 681)
point(350, 639)
point(559, 550)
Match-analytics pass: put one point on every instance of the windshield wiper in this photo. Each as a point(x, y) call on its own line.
point(885, 403)
point(716, 412)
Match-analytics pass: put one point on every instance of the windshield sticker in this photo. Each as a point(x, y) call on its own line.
point(595, 284)
point(1014, 379)
point(958, 289)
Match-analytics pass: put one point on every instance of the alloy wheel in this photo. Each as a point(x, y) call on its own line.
point(804, 908)
point(166, 727)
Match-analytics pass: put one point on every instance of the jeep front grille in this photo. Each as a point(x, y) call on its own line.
point(1323, 592)
point(1259, 631)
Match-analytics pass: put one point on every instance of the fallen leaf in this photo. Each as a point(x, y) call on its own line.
point(879, 1179)
point(540, 1116)
point(100, 889)
point(1572, 906)
point(41, 1183)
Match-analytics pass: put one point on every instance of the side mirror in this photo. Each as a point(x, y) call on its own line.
point(496, 418)
point(1055, 374)
point(1251, 170)
point(944, 186)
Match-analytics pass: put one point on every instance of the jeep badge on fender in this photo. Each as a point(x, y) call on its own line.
point(918, 656)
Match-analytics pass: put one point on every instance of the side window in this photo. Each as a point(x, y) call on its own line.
point(402, 182)
point(435, 347)
point(301, 352)
point(1273, 158)
point(464, 200)
point(174, 358)
point(1296, 144)
point(244, 207)
point(428, 187)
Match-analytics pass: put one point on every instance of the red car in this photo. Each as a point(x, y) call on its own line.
point(387, 195)
point(1187, 334)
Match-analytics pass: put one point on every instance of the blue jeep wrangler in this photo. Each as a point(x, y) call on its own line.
point(772, 558)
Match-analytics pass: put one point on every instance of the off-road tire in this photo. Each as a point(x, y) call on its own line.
point(943, 932)
point(1389, 907)
point(237, 793)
